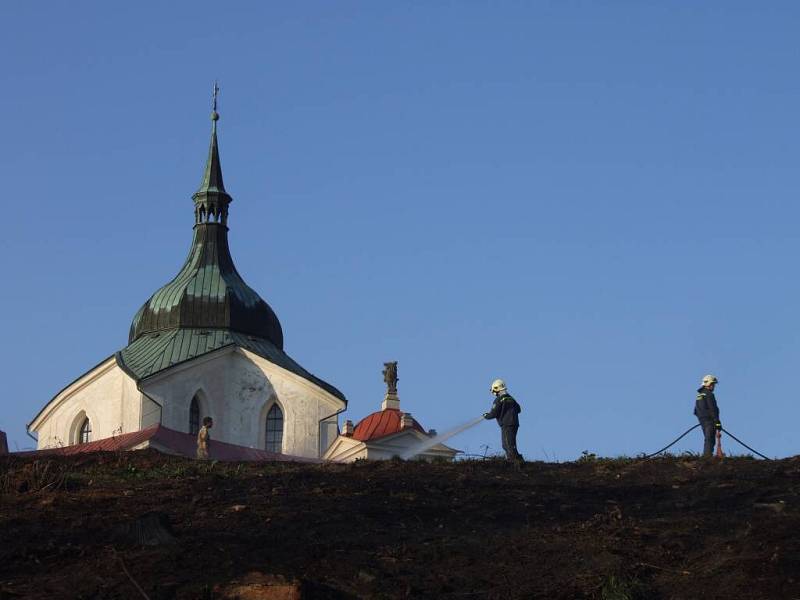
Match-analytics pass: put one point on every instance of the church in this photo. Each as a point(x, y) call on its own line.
point(206, 344)
point(387, 433)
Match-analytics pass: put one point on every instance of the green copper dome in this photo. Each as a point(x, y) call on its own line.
point(208, 292)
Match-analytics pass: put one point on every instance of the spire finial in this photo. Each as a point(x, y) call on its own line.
point(214, 113)
point(211, 199)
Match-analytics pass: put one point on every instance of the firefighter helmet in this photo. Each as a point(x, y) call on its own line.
point(710, 380)
point(498, 385)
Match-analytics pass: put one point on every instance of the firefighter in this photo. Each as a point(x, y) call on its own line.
point(707, 413)
point(506, 410)
point(204, 439)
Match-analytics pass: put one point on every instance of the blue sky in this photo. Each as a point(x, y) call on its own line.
point(596, 201)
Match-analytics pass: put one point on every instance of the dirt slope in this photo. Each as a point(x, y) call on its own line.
point(673, 528)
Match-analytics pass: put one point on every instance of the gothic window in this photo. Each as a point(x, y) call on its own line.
point(194, 416)
point(274, 437)
point(85, 435)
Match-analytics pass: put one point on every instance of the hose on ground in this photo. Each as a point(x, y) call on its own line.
point(667, 447)
point(685, 433)
point(745, 445)
point(671, 444)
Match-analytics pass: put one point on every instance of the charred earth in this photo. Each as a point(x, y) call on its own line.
point(142, 524)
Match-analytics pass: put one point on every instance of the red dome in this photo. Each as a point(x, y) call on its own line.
point(380, 424)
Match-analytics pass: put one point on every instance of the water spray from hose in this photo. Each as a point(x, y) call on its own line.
point(438, 439)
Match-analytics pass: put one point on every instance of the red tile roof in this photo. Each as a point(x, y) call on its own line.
point(380, 424)
point(173, 442)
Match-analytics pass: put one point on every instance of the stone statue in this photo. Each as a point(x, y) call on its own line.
point(390, 376)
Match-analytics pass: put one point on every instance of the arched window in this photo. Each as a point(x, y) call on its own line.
point(274, 437)
point(194, 416)
point(85, 435)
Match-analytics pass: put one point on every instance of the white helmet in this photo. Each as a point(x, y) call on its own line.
point(498, 385)
point(709, 380)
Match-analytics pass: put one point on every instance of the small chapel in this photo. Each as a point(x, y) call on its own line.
point(207, 345)
point(387, 433)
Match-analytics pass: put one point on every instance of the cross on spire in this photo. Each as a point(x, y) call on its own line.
point(211, 200)
point(214, 94)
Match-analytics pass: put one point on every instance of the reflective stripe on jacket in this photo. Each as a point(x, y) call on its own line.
point(505, 409)
point(705, 407)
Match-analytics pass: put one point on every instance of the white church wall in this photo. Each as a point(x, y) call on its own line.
point(174, 389)
point(151, 413)
point(106, 395)
point(357, 453)
point(329, 431)
point(303, 404)
point(391, 446)
point(397, 445)
point(237, 388)
point(259, 385)
point(347, 449)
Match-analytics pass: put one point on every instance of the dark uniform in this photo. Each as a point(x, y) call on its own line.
point(506, 410)
point(707, 413)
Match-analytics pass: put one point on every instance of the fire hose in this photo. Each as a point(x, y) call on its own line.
point(719, 451)
point(745, 445)
point(671, 444)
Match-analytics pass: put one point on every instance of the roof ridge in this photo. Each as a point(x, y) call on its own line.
point(147, 355)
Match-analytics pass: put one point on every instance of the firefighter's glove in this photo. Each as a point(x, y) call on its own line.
point(718, 426)
point(485, 415)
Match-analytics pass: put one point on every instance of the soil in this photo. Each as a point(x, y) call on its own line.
point(609, 529)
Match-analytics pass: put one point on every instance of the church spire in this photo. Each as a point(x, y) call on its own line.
point(211, 200)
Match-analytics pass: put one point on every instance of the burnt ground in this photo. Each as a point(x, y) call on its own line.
point(618, 529)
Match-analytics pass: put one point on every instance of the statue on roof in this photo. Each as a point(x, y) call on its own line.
point(390, 376)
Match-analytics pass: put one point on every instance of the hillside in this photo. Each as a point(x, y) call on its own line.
point(669, 528)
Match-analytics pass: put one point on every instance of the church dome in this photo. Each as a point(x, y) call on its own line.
point(208, 292)
point(382, 423)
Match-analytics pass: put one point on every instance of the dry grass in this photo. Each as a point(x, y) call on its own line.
point(30, 477)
